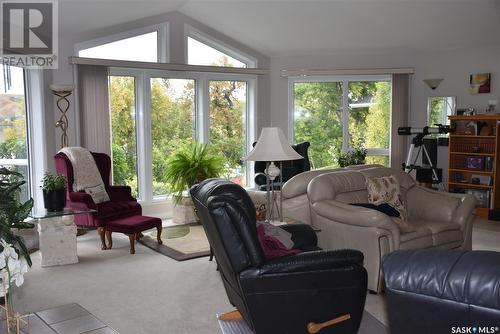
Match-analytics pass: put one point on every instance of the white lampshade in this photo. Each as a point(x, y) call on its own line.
point(272, 146)
point(61, 88)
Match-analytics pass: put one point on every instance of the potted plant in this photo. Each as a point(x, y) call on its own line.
point(54, 192)
point(12, 212)
point(189, 165)
point(356, 156)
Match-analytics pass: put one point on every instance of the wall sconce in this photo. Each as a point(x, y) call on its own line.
point(433, 83)
point(62, 92)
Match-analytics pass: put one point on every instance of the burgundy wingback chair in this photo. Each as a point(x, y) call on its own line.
point(121, 203)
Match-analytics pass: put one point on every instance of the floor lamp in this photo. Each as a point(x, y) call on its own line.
point(272, 146)
point(62, 92)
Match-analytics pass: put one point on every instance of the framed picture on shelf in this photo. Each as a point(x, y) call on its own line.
point(475, 163)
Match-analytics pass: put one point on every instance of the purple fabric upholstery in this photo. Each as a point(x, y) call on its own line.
point(121, 203)
point(115, 210)
point(134, 224)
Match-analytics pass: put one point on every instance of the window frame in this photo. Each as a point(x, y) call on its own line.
point(344, 79)
point(142, 79)
point(162, 40)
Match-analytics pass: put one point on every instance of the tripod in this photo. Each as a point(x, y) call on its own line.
point(408, 166)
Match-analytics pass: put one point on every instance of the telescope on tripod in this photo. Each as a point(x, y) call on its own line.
point(418, 143)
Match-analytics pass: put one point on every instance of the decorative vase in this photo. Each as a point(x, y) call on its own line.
point(184, 213)
point(54, 200)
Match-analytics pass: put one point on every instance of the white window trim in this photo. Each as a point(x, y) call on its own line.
point(36, 134)
point(217, 44)
point(345, 79)
point(162, 45)
point(202, 117)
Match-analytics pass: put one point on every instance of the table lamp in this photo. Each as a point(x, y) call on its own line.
point(272, 146)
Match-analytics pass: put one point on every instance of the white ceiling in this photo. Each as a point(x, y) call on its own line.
point(285, 27)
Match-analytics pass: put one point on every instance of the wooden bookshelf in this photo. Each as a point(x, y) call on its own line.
point(473, 156)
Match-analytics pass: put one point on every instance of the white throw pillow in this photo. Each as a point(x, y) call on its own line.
point(386, 189)
point(98, 193)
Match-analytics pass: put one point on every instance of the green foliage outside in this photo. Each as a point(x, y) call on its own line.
point(12, 127)
point(173, 126)
point(12, 211)
point(192, 164)
point(318, 119)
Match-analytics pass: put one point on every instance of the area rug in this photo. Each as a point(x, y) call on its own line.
point(369, 325)
point(179, 242)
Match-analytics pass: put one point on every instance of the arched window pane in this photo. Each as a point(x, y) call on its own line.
point(202, 54)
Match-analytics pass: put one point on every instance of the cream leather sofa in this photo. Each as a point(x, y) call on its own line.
point(294, 192)
point(442, 220)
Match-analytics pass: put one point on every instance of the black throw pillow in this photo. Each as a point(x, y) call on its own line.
point(384, 208)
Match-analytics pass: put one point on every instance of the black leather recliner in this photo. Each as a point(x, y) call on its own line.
point(290, 168)
point(285, 294)
point(438, 291)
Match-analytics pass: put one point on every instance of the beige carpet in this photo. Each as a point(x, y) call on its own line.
point(148, 293)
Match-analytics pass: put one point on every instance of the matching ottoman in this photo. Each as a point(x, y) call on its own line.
point(132, 226)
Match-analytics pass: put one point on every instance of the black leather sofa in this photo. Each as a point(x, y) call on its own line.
point(286, 294)
point(440, 291)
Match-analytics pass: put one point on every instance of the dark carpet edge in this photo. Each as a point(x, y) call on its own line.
point(170, 252)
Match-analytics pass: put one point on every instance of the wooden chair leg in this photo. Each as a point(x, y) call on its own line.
point(158, 234)
point(109, 239)
point(313, 328)
point(233, 315)
point(131, 237)
point(101, 232)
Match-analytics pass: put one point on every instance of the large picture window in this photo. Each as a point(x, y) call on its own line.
point(340, 114)
point(13, 124)
point(172, 123)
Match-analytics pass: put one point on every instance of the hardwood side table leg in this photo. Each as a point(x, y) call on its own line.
point(109, 239)
point(101, 232)
point(131, 237)
point(158, 234)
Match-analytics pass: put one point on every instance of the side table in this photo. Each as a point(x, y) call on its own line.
point(57, 235)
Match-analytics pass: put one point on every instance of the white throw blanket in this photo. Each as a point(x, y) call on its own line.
point(85, 173)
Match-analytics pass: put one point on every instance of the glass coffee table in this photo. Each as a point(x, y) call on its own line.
point(57, 235)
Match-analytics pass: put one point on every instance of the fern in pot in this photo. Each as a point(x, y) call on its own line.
point(188, 166)
point(54, 192)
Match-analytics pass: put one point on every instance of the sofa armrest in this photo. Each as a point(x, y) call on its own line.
point(428, 204)
point(356, 216)
point(303, 236)
point(120, 193)
point(312, 261)
point(81, 197)
point(465, 209)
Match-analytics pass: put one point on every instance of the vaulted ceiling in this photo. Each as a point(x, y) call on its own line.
point(282, 27)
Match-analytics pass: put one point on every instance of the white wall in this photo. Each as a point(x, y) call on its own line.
point(453, 65)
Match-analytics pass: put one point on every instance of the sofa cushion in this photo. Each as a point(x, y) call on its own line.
point(112, 210)
point(448, 239)
point(421, 238)
point(436, 226)
point(385, 189)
